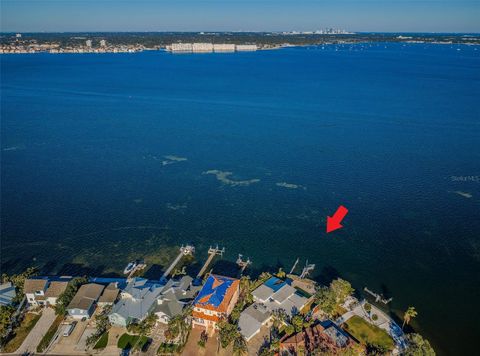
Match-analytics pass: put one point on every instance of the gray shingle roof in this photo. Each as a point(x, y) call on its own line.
point(35, 284)
point(139, 298)
point(87, 295)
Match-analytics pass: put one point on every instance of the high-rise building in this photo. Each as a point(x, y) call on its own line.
point(88, 43)
point(103, 43)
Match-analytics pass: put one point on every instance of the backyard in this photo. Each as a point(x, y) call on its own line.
point(128, 341)
point(368, 334)
point(21, 332)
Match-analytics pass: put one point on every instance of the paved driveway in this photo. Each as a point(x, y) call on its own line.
point(39, 330)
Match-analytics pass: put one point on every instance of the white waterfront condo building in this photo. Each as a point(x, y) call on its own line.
point(210, 47)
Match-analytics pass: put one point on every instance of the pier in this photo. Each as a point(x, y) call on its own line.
point(294, 266)
point(306, 270)
point(378, 297)
point(212, 252)
point(243, 264)
point(184, 251)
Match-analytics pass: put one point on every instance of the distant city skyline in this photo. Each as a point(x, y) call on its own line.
point(235, 15)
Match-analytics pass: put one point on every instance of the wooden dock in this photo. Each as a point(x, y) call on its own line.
point(378, 297)
point(243, 264)
point(212, 252)
point(184, 251)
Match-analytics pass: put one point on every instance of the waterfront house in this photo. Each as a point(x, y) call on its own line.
point(84, 302)
point(325, 336)
point(137, 300)
point(44, 291)
point(273, 295)
point(174, 297)
point(34, 289)
point(55, 289)
point(7, 293)
point(214, 302)
point(109, 295)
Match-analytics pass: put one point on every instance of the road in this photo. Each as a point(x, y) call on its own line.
point(39, 330)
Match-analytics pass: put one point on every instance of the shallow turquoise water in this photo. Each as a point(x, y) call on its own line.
point(390, 131)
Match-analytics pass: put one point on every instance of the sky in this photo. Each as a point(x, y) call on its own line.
point(240, 15)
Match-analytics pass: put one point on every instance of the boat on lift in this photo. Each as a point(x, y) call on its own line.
point(130, 267)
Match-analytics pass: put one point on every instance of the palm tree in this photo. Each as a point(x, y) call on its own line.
point(279, 317)
point(409, 315)
point(239, 345)
point(245, 284)
point(179, 325)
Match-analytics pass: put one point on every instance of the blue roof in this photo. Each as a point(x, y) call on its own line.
point(214, 290)
point(275, 283)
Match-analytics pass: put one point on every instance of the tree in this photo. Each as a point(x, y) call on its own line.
point(178, 326)
point(341, 289)
point(281, 273)
point(227, 333)
point(245, 295)
point(235, 314)
point(418, 346)
point(203, 339)
point(325, 299)
point(6, 312)
point(145, 326)
point(289, 329)
point(375, 349)
point(265, 351)
point(239, 345)
point(279, 316)
point(367, 307)
point(409, 315)
point(65, 298)
point(275, 344)
point(264, 276)
point(102, 324)
point(298, 322)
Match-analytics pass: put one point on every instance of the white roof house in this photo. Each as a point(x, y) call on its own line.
point(275, 294)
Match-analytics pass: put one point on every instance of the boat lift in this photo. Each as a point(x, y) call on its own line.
point(306, 270)
point(243, 264)
point(212, 252)
point(378, 297)
point(184, 251)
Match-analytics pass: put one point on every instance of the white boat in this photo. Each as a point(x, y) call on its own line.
point(130, 267)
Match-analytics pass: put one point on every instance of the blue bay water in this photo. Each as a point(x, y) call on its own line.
point(390, 131)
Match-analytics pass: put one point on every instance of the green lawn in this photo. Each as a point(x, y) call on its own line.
point(47, 338)
point(21, 332)
point(127, 341)
point(102, 341)
point(141, 342)
point(367, 333)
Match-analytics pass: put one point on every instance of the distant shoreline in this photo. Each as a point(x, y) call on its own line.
point(226, 52)
point(206, 42)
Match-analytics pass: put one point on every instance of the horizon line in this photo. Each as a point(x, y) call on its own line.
point(245, 31)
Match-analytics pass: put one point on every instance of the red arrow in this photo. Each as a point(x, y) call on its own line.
point(333, 223)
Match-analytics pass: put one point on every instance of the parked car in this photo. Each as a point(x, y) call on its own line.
point(68, 329)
